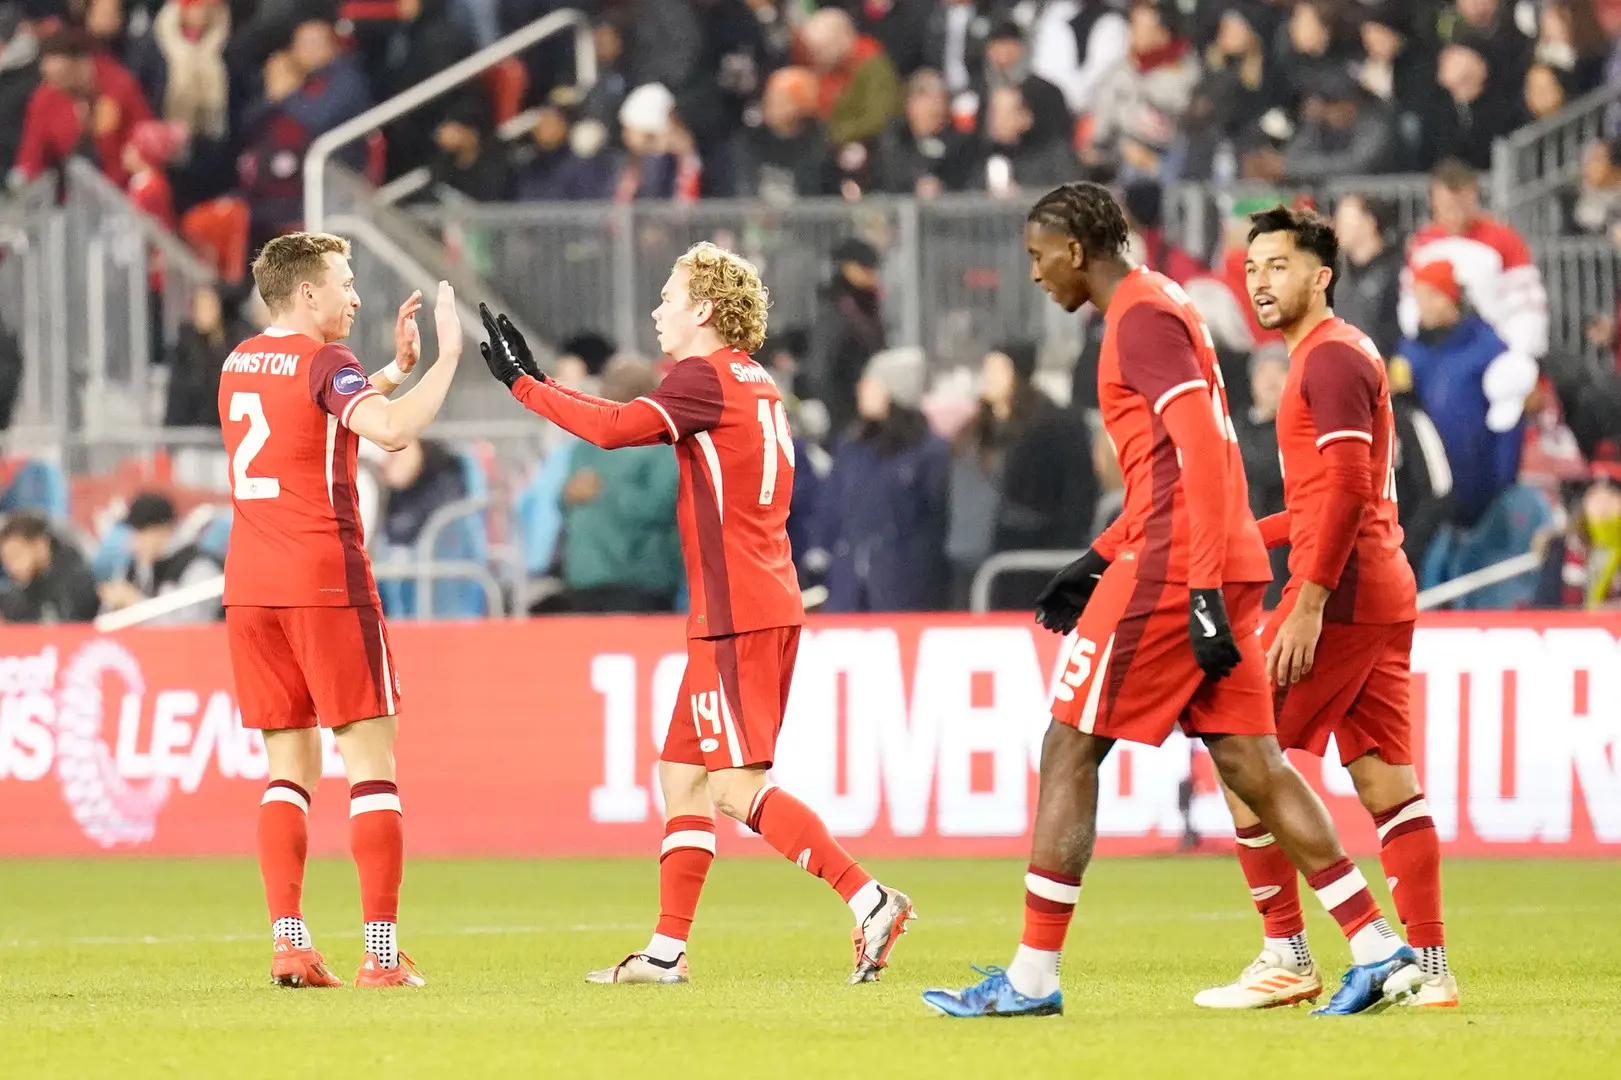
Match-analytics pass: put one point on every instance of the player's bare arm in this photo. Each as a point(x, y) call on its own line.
point(407, 347)
point(393, 424)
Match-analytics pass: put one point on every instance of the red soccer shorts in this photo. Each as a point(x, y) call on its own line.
point(1131, 672)
point(1358, 691)
point(732, 699)
point(296, 667)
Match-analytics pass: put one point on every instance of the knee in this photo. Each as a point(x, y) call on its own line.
point(1247, 771)
point(734, 795)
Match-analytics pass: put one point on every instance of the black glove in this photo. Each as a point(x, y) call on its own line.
point(506, 354)
point(1060, 604)
point(1213, 645)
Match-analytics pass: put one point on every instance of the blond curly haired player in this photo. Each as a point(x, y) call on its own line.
point(724, 415)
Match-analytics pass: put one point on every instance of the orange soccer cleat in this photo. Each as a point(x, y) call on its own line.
point(296, 968)
point(374, 974)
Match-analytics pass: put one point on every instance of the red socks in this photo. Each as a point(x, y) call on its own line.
point(794, 830)
point(689, 848)
point(1410, 852)
point(1273, 880)
point(1049, 904)
point(377, 841)
point(284, 840)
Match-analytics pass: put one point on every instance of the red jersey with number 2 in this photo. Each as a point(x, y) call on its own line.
point(1145, 364)
point(724, 415)
point(1337, 390)
point(284, 401)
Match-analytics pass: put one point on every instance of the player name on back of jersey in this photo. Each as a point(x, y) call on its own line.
point(262, 363)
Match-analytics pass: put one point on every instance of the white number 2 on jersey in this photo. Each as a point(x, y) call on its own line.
point(248, 406)
point(774, 430)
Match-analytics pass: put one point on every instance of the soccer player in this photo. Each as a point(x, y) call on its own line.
point(307, 640)
point(1165, 606)
point(1339, 646)
point(725, 417)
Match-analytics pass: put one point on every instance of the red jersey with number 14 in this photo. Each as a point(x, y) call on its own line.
point(296, 540)
point(725, 417)
point(1156, 348)
point(1337, 390)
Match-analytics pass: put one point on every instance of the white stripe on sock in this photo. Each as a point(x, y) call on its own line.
point(365, 804)
point(286, 795)
point(1048, 889)
point(1418, 808)
point(689, 838)
point(1256, 841)
point(759, 797)
point(1342, 888)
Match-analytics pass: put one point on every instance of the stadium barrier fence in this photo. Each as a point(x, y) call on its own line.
point(910, 735)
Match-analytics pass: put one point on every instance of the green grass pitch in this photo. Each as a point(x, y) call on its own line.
point(158, 968)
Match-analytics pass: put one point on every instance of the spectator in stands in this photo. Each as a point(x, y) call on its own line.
point(1258, 443)
point(552, 165)
point(199, 354)
point(882, 519)
point(1141, 102)
point(418, 480)
point(1368, 289)
point(1007, 63)
point(848, 330)
point(309, 88)
point(788, 155)
point(922, 153)
point(429, 37)
point(1590, 552)
point(84, 99)
point(620, 549)
point(50, 581)
point(1472, 385)
point(1314, 46)
point(1490, 260)
point(860, 91)
point(1489, 28)
point(1398, 70)
point(181, 66)
point(728, 76)
point(955, 45)
point(1144, 204)
point(152, 145)
point(1021, 155)
point(605, 97)
point(1423, 475)
point(1343, 132)
point(468, 158)
point(1074, 44)
point(1021, 475)
point(1598, 203)
point(1467, 117)
point(161, 561)
point(1544, 94)
point(1572, 42)
point(1240, 85)
point(19, 75)
point(651, 165)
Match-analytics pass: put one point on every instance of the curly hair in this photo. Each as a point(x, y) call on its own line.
point(1088, 213)
point(1311, 232)
point(287, 261)
point(733, 285)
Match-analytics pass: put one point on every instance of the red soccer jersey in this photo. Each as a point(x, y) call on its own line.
point(1156, 348)
point(296, 540)
point(1337, 390)
point(725, 416)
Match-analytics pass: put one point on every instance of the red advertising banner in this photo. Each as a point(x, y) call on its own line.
point(911, 735)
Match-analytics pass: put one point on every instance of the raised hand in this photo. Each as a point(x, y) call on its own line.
point(407, 336)
point(447, 322)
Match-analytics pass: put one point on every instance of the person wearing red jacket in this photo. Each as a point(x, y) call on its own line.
point(86, 102)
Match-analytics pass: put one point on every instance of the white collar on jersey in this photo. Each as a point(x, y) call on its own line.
point(278, 331)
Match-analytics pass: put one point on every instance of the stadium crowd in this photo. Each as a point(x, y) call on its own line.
point(909, 477)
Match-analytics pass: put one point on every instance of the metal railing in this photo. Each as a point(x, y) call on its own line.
point(1581, 275)
point(1532, 167)
point(437, 85)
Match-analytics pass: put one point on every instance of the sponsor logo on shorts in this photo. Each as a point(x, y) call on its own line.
point(348, 381)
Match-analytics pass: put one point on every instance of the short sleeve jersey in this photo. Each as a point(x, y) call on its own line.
point(726, 419)
point(1146, 363)
point(1337, 390)
point(296, 541)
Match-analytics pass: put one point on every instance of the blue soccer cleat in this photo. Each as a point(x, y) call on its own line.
point(1375, 987)
point(993, 996)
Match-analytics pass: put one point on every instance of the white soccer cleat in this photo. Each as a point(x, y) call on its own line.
point(1435, 992)
point(1265, 984)
point(875, 938)
point(641, 968)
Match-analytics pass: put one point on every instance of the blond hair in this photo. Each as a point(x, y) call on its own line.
point(730, 282)
point(288, 261)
